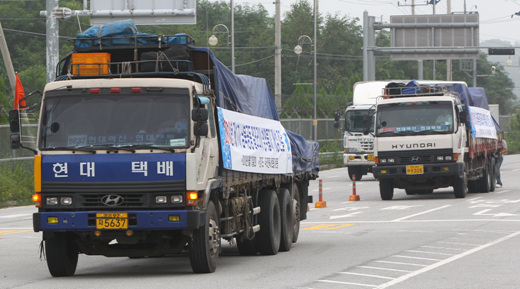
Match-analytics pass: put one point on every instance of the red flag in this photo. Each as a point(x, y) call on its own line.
point(18, 95)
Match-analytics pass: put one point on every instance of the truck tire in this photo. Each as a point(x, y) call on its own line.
point(62, 255)
point(204, 247)
point(358, 171)
point(297, 214)
point(460, 186)
point(493, 175)
point(386, 189)
point(287, 219)
point(485, 184)
point(268, 238)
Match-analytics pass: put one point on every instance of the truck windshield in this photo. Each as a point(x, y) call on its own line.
point(115, 120)
point(354, 120)
point(412, 118)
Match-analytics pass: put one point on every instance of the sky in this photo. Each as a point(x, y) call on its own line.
point(495, 15)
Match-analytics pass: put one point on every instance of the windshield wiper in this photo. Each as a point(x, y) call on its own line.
point(394, 133)
point(112, 148)
point(75, 148)
point(147, 146)
point(430, 132)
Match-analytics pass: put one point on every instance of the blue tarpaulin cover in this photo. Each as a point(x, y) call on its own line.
point(469, 96)
point(251, 95)
point(122, 32)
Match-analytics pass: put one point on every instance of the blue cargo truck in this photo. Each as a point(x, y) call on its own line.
point(149, 146)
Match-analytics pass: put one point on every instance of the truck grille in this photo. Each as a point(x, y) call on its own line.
point(414, 157)
point(124, 195)
point(127, 200)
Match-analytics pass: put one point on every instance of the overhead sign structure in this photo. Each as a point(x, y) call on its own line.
point(144, 12)
point(501, 51)
point(428, 37)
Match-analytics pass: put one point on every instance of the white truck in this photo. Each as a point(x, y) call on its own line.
point(430, 136)
point(359, 144)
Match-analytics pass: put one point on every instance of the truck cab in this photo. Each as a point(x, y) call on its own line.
point(419, 141)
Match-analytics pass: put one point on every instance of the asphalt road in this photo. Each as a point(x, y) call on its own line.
point(422, 241)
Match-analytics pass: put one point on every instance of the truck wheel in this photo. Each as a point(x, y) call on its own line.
point(484, 181)
point(460, 186)
point(205, 246)
point(386, 189)
point(62, 255)
point(358, 171)
point(492, 175)
point(296, 207)
point(268, 238)
point(287, 219)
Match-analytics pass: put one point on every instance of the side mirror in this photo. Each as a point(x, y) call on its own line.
point(201, 129)
point(462, 116)
point(199, 114)
point(336, 119)
point(14, 126)
point(14, 121)
point(366, 125)
point(16, 142)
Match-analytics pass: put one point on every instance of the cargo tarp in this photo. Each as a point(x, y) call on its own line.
point(251, 95)
point(122, 32)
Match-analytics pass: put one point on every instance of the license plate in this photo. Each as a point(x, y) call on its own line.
point(370, 157)
point(111, 221)
point(414, 170)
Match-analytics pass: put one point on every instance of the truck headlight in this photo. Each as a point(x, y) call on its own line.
point(176, 199)
point(161, 200)
point(66, 201)
point(383, 161)
point(391, 160)
point(52, 201)
point(440, 158)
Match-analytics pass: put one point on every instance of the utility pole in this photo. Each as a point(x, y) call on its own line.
point(448, 61)
point(278, 58)
point(7, 60)
point(52, 38)
point(232, 37)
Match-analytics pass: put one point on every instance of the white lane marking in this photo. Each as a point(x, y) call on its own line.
point(444, 248)
point(387, 269)
point(427, 252)
point(400, 207)
point(483, 213)
point(446, 261)
point(345, 216)
point(455, 243)
point(347, 283)
point(416, 258)
point(367, 275)
point(421, 213)
point(350, 209)
point(401, 263)
point(15, 216)
point(502, 191)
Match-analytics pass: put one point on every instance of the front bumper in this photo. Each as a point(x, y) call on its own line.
point(430, 170)
point(138, 220)
point(351, 159)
